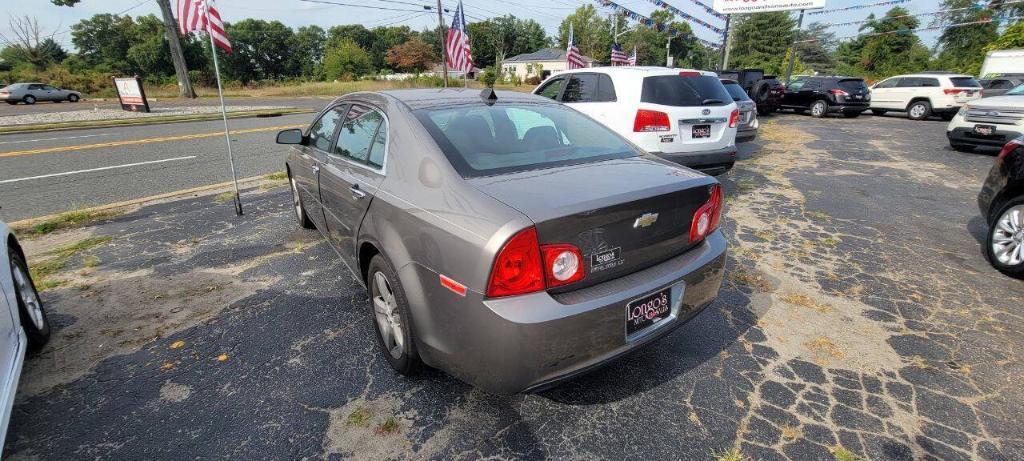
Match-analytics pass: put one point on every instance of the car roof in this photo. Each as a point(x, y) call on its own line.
point(422, 98)
point(935, 75)
point(635, 71)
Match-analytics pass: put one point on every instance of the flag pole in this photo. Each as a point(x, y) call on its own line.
point(223, 110)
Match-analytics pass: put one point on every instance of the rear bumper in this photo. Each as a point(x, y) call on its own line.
point(746, 134)
point(524, 343)
point(967, 136)
point(709, 160)
point(849, 107)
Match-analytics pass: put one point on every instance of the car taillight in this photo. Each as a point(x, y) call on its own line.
point(953, 90)
point(650, 120)
point(517, 269)
point(1009, 147)
point(563, 264)
point(734, 118)
point(707, 217)
point(839, 93)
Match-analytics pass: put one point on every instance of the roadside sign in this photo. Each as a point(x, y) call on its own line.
point(760, 6)
point(131, 94)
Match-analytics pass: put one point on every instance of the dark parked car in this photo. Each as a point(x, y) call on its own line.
point(747, 129)
point(998, 86)
point(823, 95)
point(505, 238)
point(765, 90)
point(1002, 205)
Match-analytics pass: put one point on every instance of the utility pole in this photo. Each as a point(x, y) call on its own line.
point(444, 46)
point(177, 56)
point(725, 43)
point(792, 47)
point(668, 51)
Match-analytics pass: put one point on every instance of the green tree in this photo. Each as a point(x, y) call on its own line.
point(650, 43)
point(817, 55)
point(1012, 37)
point(960, 45)
point(761, 40)
point(354, 32)
point(346, 61)
point(308, 44)
point(103, 41)
point(259, 50)
point(895, 50)
point(385, 38)
point(591, 31)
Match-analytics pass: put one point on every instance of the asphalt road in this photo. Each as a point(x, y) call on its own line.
point(859, 318)
point(44, 173)
point(313, 102)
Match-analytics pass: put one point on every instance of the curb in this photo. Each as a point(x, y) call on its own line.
point(147, 121)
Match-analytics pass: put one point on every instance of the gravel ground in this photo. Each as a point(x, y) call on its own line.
point(116, 114)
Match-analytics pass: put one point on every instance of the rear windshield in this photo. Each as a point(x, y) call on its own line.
point(964, 82)
point(736, 92)
point(678, 90)
point(852, 84)
point(499, 139)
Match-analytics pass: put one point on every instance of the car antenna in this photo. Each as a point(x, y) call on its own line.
point(489, 96)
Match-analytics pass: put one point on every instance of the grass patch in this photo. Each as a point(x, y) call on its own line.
point(360, 417)
point(67, 220)
point(824, 346)
point(91, 261)
point(50, 284)
point(842, 454)
point(389, 426)
point(274, 180)
point(791, 432)
point(68, 251)
point(745, 186)
point(802, 300)
point(829, 241)
point(277, 176)
point(730, 455)
point(742, 277)
point(42, 270)
point(224, 197)
point(820, 216)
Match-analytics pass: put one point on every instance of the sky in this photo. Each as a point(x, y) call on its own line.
point(295, 13)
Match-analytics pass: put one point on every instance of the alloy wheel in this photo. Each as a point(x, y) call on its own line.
point(818, 109)
point(917, 111)
point(389, 321)
point(1008, 237)
point(295, 199)
point(29, 296)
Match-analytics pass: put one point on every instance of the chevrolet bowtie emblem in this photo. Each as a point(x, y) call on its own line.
point(645, 220)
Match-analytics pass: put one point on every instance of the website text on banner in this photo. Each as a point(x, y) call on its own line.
point(760, 6)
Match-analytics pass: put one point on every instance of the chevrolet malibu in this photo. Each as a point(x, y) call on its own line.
point(502, 237)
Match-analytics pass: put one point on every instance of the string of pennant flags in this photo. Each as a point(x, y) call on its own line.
point(976, 7)
point(858, 7)
point(922, 29)
point(684, 15)
point(648, 22)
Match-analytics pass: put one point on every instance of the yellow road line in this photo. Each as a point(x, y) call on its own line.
point(47, 150)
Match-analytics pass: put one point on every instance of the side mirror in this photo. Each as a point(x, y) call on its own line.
point(292, 136)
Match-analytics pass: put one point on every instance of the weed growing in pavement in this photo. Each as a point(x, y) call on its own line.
point(277, 176)
point(819, 215)
point(67, 220)
point(803, 300)
point(742, 277)
point(360, 417)
point(91, 261)
point(389, 426)
point(224, 197)
point(731, 455)
point(68, 251)
point(40, 271)
point(842, 454)
point(791, 432)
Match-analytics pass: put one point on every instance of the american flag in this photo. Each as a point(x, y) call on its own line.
point(192, 17)
point(573, 58)
point(632, 58)
point(618, 57)
point(457, 47)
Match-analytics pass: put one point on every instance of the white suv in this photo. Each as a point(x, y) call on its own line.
point(990, 122)
point(686, 116)
point(924, 94)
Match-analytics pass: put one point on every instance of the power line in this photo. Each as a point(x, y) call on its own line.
point(858, 7)
point(384, 8)
point(922, 29)
point(930, 13)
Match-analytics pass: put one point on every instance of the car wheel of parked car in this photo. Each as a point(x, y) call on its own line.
point(73, 98)
point(919, 110)
point(1005, 245)
point(851, 114)
point(29, 99)
point(962, 147)
point(30, 307)
point(391, 317)
point(819, 108)
point(300, 211)
point(878, 111)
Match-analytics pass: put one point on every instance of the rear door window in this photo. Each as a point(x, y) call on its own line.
point(605, 89)
point(736, 92)
point(965, 82)
point(888, 83)
point(580, 88)
point(678, 90)
point(928, 82)
point(906, 82)
point(812, 84)
point(551, 88)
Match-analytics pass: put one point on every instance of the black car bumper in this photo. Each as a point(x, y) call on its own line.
point(849, 107)
point(746, 135)
point(712, 162)
point(967, 136)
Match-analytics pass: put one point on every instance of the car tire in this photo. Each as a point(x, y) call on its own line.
point(73, 98)
point(30, 307)
point(851, 114)
point(1003, 229)
point(819, 109)
point(29, 100)
point(300, 210)
point(919, 110)
point(878, 111)
point(763, 110)
point(962, 147)
point(390, 315)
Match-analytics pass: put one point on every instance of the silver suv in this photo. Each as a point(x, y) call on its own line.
point(29, 93)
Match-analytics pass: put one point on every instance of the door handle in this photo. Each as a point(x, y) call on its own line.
point(316, 169)
point(356, 193)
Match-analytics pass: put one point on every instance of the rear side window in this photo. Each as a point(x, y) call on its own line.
point(929, 82)
point(589, 88)
point(965, 82)
point(550, 89)
point(506, 138)
point(678, 90)
point(852, 84)
point(736, 92)
point(812, 84)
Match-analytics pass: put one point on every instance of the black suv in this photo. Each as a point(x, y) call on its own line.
point(765, 90)
point(822, 95)
point(1002, 205)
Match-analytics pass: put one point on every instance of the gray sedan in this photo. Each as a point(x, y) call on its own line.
point(29, 93)
point(747, 129)
point(505, 238)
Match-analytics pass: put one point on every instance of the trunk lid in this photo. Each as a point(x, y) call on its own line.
point(624, 215)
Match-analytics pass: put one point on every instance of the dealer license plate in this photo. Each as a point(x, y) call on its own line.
point(984, 130)
point(645, 312)
point(701, 131)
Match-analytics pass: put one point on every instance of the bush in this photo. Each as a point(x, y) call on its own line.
point(533, 80)
point(489, 77)
point(346, 61)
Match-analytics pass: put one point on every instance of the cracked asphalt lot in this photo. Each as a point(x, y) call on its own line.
point(859, 318)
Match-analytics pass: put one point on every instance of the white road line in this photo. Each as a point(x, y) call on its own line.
point(67, 173)
point(56, 139)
